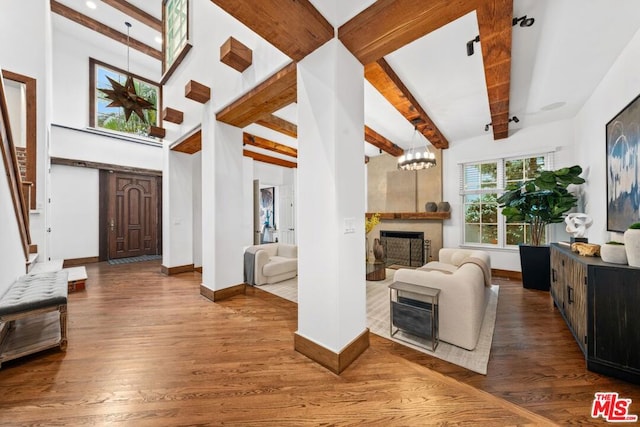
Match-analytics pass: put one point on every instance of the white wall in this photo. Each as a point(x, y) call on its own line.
point(74, 212)
point(196, 164)
point(177, 209)
point(71, 71)
point(620, 86)
point(28, 56)
point(85, 145)
point(12, 259)
point(556, 136)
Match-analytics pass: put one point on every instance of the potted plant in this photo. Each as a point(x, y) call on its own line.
point(538, 202)
point(632, 244)
point(613, 252)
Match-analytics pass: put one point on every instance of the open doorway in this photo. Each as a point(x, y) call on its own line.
point(273, 213)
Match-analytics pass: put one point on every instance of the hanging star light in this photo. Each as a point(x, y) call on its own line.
point(126, 96)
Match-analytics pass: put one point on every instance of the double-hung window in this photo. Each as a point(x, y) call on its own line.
point(481, 183)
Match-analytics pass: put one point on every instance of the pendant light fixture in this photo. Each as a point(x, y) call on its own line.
point(416, 159)
point(126, 96)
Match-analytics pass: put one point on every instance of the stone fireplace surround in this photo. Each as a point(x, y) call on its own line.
point(390, 190)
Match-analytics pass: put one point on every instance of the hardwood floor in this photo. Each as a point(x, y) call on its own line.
point(146, 349)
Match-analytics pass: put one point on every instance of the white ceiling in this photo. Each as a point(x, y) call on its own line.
point(556, 64)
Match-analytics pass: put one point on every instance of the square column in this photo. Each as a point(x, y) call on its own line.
point(331, 206)
point(177, 212)
point(222, 207)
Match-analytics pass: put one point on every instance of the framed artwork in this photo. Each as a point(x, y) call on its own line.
point(623, 176)
point(267, 207)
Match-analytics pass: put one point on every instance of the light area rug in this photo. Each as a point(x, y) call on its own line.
point(378, 322)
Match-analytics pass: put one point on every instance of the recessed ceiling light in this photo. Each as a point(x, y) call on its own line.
point(158, 39)
point(91, 5)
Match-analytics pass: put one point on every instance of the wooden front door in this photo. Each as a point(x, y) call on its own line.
point(132, 215)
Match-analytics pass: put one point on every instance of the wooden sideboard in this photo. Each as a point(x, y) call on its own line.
point(601, 304)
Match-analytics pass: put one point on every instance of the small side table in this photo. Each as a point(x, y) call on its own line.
point(376, 271)
point(414, 310)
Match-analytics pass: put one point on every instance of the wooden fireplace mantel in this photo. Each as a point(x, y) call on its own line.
point(420, 216)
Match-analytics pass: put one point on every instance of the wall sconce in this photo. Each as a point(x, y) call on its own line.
point(514, 119)
point(486, 127)
point(470, 45)
point(524, 21)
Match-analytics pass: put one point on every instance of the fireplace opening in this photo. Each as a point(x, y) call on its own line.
point(404, 248)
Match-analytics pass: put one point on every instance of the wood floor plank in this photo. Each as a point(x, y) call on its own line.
point(148, 349)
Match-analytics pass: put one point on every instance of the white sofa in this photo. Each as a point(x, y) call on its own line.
point(273, 262)
point(461, 275)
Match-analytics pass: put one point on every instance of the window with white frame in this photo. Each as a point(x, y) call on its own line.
point(175, 30)
point(481, 183)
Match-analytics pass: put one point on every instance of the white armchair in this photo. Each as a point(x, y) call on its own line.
point(272, 262)
point(461, 275)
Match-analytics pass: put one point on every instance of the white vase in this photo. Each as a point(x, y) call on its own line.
point(615, 254)
point(632, 246)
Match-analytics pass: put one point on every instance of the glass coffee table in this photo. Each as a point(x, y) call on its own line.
point(376, 271)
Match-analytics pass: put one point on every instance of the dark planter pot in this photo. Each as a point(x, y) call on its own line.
point(536, 267)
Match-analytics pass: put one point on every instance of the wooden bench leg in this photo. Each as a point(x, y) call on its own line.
point(63, 326)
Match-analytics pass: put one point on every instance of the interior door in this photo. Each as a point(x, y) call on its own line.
point(287, 233)
point(132, 215)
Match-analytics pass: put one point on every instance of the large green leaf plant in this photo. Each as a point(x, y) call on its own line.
point(541, 200)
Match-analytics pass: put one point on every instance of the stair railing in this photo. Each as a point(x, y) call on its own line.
point(10, 160)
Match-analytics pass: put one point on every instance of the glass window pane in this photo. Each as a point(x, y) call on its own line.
point(513, 170)
point(490, 234)
point(515, 234)
point(489, 175)
point(472, 233)
point(472, 198)
point(532, 166)
point(489, 214)
point(113, 118)
point(471, 177)
point(472, 213)
point(175, 29)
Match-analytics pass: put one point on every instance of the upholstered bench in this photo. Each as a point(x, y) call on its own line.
point(30, 300)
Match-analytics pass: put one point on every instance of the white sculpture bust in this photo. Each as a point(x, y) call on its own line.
point(577, 224)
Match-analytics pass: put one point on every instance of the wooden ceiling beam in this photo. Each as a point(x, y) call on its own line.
point(296, 28)
point(279, 125)
point(136, 13)
point(495, 24)
point(388, 25)
point(278, 91)
point(374, 138)
point(267, 144)
point(386, 81)
point(268, 159)
point(98, 27)
point(190, 144)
